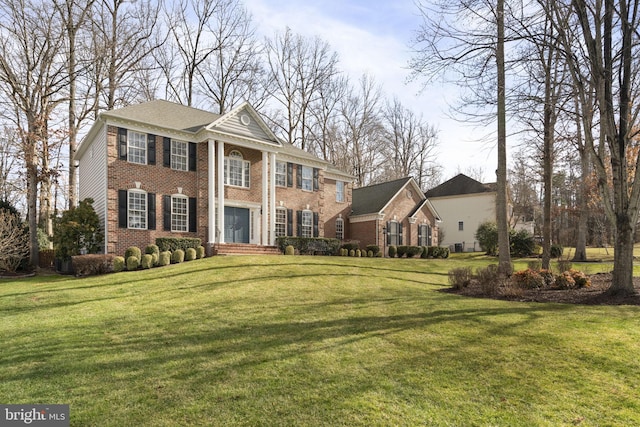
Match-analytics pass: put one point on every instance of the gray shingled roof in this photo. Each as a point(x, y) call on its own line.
point(372, 199)
point(166, 114)
point(458, 185)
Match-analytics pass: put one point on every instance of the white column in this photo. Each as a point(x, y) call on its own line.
point(211, 191)
point(272, 199)
point(265, 197)
point(220, 168)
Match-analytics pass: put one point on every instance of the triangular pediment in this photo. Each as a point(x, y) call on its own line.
point(244, 122)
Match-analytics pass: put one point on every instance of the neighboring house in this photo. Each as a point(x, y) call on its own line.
point(161, 169)
point(393, 213)
point(463, 204)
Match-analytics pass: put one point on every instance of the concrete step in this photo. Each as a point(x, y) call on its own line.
point(246, 249)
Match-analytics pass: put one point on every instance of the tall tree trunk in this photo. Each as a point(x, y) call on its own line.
point(504, 260)
point(583, 210)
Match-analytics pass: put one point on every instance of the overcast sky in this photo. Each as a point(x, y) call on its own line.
point(373, 36)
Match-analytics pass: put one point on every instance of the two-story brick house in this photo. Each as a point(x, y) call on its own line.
point(162, 169)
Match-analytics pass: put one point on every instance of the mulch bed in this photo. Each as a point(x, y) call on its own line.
point(593, 295)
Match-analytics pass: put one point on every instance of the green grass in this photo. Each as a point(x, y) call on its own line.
point(312, 341)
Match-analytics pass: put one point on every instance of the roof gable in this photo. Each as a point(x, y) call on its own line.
point(244, 121)
point(459, 185)
point(374, 198)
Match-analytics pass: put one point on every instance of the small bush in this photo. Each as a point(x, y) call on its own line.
point(94, 264)
point(352, 252)
point(118, 264)
point(370, 254)
point(556, 251)
point(439, 252)
point(425, 253)
point(392, 251)
point(489, 279)
point(133, 263)
point(173, 243)
point(133, 251)
point(572, 279)
point(373, 248)
point(164, 258)
point(460, 277)
point(147, 261)
point(522, 243)
point(549, 278)
point(190, 254)
point(358, 253)
point(310, 245)
point(177, 256)
point(152, 249)
point(290, 250)
point(413, 251)
point(200, 252)
point(402, 250)
point(351, 244)
point(528, 279)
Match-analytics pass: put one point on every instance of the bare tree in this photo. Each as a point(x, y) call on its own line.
point(11, 185)
point(31, 77)
point(14, 242)
point(297, 68)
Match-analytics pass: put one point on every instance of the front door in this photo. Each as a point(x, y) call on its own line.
point(236, 225)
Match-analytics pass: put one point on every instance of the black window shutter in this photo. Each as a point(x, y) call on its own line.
point(151, 211)
point(166, 152)
point(193, 153)
point(193, 218)
point(299, 223)
point(122, 208)
point(151, 149)
point(400, 233)
point(388, 232)
point(316, 179)
point(316, 221)
point(299, 177)
point(289, 174)
point(289, 222)
point(166, 213)
point(122, 143)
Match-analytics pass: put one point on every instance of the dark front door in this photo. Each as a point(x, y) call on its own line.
point(236, 225)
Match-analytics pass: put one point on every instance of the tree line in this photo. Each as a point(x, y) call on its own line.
point(62, 62)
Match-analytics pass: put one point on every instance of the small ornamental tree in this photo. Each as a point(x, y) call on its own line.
point(487, 236)
point(14, 240)
point(77, 229)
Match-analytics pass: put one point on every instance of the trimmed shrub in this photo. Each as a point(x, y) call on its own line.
point(572, 279)
point(147, 261)
point(522, 243)
point(425, 253)
point(190, 254)
point(556, 251)
point(164, 258)
point(118, 264)
point(358, 253)
point(413, 251)
point(133, 251)
point(200, 252)
point(373, 248)
point(351, 244)
point(310, 245)
point(402, 250)
point(352, 252)
point(93, 264)
point(460, 277)
point(370, 254)
point(439, 252)
point(177, 256)
point(528, 279)
point(173, 243)
point(290, 250)
point(132, 263)
point(392, 251)
point(154, 251)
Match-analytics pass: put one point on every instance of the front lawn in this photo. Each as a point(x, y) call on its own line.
point(277, 340)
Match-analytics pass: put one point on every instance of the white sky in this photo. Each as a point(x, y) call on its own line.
point(373, 37)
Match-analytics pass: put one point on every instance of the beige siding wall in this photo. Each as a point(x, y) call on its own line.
point(92, 176)
point(471, 210)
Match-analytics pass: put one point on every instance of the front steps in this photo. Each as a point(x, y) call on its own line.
point(245, 249)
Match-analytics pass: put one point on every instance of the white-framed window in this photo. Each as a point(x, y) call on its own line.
point(340, 229)
point(393, 233)
point(137, 209)
point(307, 178)
point(339, 191)
point(460, 225)
point(424, 233)
point(179, 155)
point(179, 213)
point(307, 224)
point(236, 170)
point(137, 147)
point(281, 174)
point(281, 222)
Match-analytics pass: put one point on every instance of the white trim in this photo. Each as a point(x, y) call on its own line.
point(365, 218)
point(265, 197)
point(272, 200)
point(220, 191)
point(211, 191)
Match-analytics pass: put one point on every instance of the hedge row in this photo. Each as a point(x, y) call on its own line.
point(173, 243)
point(309, 245)
point(421, 251)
